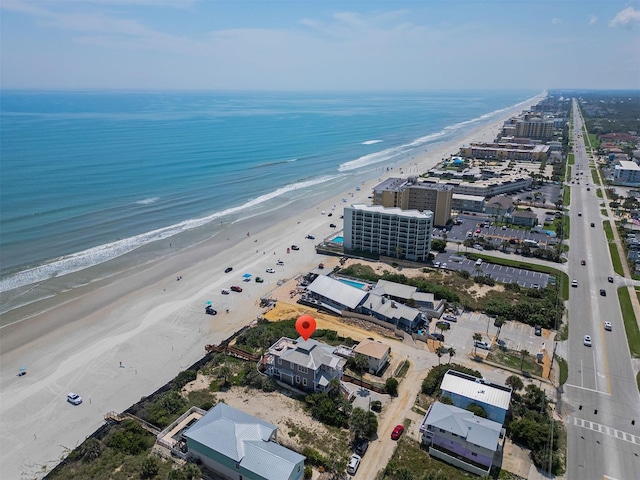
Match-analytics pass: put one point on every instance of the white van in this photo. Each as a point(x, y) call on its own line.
point(478, 262)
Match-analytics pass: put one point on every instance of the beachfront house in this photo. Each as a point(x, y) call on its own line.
point(465, 390)
point(239, 446)
point(425, 302)
point(376, 352)
point(461, 438)
point(304, 364)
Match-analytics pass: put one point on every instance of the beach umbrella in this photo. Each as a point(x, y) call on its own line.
point(246, 275)
point(23, 369)
point(208, 302)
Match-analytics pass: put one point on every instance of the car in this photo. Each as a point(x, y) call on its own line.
point(579, 214)
point(536, 286)
point(537, 330)
point(574, 283)
point(443, 324)
point(236, 288)
point(354, 463)
point(607, 326)
point(504, 227)
point(588, 189)
point(610, 279)
point(436, 264)
point(74, 398)
point(397, 432)
point(481, 344)
point(280, 263)
point(603, 292)
point(330, 214)
point(437, 336)
point(451, 318)
point(332, 225)
point(271, 270)
point(259, 280)
point(209, 310)
point(295, 247)
point(225, 291)
point(360, 446)
point(587, 340)
point(582, 262)
point(228, 269)
point(593, 224)
point(310, 237)
point(444, 265)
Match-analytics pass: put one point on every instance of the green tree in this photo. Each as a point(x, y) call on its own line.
point(362, 424)
point(224, 372)
point(477, 410)
point(391, 386)
point(360, 363)
point(149, 468)
point(515, 382)
point(439, 353)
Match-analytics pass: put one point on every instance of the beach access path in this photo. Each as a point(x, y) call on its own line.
point(118, 340)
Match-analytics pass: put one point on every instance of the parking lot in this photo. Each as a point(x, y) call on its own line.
point(517, 336)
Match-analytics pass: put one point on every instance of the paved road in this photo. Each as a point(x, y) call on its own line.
point(600, 398)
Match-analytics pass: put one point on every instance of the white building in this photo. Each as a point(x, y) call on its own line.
point(627, 173)
point(388, 231)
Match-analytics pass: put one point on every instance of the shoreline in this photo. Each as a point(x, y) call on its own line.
point(153, 324)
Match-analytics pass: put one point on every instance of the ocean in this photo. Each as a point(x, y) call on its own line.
point(89, 177)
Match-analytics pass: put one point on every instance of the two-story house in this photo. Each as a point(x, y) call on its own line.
point(376, 352)
point(239, 446)
point(461, 438)
point(304, 364)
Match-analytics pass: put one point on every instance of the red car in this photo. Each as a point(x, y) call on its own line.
point(236, 288)
point(395, 435)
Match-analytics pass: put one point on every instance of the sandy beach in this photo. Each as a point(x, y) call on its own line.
point(117, 340)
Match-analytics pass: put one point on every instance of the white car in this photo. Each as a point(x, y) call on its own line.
point(74, 398)
point(607, 326)
point(587, 340)
point(574, 283)
point(354, 463)
point(280, 263)
point(483, 345)
point(270, 270)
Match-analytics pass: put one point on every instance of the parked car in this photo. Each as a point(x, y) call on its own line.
point(442, 323)
point(295, 247)
point(587, 341)
point(280, 263)
point(225, 291)
point(397, 432)
point(481, 344)
point(354, 462)
point(209, 310)
point(603, 292)
point(270, 270)
point(259, 280)
point(437, 336)
point(332, 225)
point(74, 398)
point(451, 318)
point(236, 288)
point(330, 214)
point(360, 446)
point(607, 326)
point(228, 269)
point(537, 330)
point(310, 237)
point(610, 279)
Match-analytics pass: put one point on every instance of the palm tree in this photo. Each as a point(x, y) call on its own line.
point(477, 337)
point(439, 353)
point(523, 355)
point(499, 322)
point(452, 353)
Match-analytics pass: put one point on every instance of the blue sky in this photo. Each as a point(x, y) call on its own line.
point(319, 45)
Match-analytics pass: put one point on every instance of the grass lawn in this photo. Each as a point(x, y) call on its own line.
point(613, 249)
point(572, 157)
point(630, 324)
point(513, 359)
point(564, 369)
point(566, 196)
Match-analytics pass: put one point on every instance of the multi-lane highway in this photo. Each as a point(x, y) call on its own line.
point(600, 403)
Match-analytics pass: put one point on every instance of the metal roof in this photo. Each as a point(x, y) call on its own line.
point(395, 289)
point(337, 291)
point(245, 439)
point(474, 388)
point(476, 430)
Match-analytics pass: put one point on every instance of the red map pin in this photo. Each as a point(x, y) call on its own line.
point(306, 325)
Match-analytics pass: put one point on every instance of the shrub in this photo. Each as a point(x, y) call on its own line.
point(165, 408)
point(308, 472)
point(183, 378)
point(433, 380)
point(391, 386)
point(132, 439)
point(149, 468)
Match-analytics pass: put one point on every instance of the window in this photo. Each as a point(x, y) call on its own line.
point(474, 454)
point(441, 430)
point(304, 382)
point(302, 369)
point(292, 365)
point(297, 378)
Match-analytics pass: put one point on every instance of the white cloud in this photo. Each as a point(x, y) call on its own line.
point(627, 17)
point(555, 21)
point(593, 20)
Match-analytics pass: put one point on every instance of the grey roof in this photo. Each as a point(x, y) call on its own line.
point(337, 291)
point(389, 308)
point(473, 388)
point(245, 439)
point(476, 430)
point(394, 289)
point(312, 354)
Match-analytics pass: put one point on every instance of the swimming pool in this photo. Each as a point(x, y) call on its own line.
point(352, 283)
point(338, 239)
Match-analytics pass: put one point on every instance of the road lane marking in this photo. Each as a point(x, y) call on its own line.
point(609, 431)
point(587, 389)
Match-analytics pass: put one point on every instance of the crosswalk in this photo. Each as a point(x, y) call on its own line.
point(612, 432)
